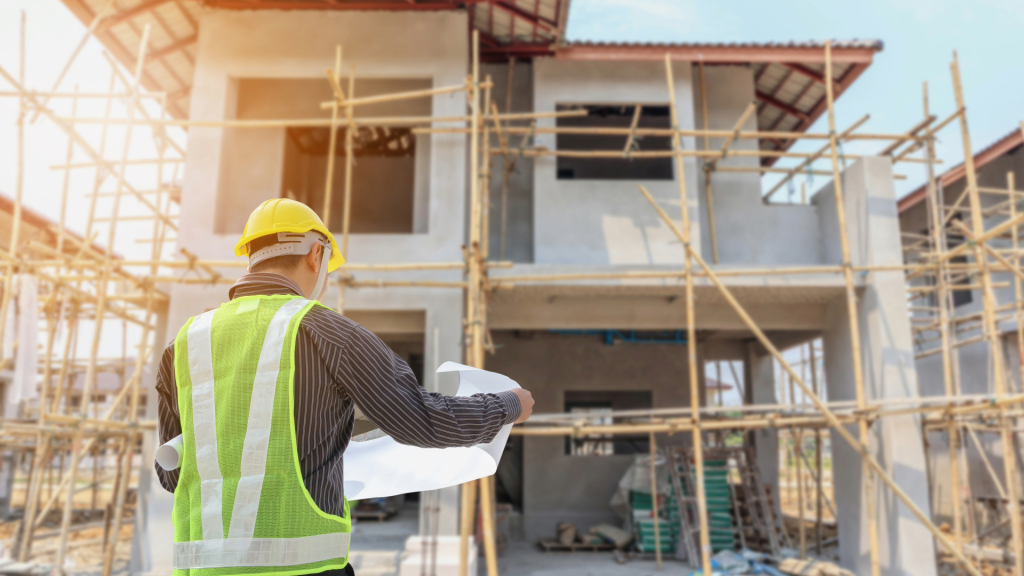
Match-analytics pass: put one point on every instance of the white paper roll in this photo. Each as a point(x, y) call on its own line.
point(168, 456)
point(382, 467)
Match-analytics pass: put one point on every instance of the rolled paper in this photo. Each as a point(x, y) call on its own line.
point(168, 456)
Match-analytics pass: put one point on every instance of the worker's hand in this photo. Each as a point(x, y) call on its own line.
point(525, 404)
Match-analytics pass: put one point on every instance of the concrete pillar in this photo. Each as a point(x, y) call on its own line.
point(906, 547)
point(760, 378)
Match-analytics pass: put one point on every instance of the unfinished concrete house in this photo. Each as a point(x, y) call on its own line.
point(982, 496)
point(586, 218)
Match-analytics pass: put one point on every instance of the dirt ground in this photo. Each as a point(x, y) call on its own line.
point(85, 541)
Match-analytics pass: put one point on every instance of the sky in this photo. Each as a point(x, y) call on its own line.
point(919, 37)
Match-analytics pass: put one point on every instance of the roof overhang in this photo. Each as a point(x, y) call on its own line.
point(508, 29)
point(789, 78)
point(718, 53)
point(954, 174)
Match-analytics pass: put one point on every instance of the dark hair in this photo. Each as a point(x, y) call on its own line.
point(288, 263)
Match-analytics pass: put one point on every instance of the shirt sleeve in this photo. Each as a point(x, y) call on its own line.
point(167, 413)
point(383, 386)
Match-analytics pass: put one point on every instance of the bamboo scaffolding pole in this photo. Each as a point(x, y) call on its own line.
point(325, 122)
point(374, 121)
point(1018, 289)
point(798, 436)
point(922, 125)
point(988, 301)
point(133, 384)
point(902, 157)
point(844, 408)
point(628, 148)
point(818, 461)
point(994, 232)
point(349, 143)
point(654, 499)
point(708, 168)
point(68, 156)
point(942, 297)
point(485, 184)
point(80, 95)
point(96, 19)
point(133, 422)
point(711, 154)
point(812, 157)
point(474, 302)
point(104, 424)
point(346, 217)
point(97, 179)
point(102, 287)
point(643, 272)
point(799, 449)
point(143, 114)
point(43, 441)
point(42, 455)
point(80, 141)
point(333, 77)
point(241, 263)
point(691, 332)
point(466, 524)
point(352, 101)
point(68, 165)
point(822, 408)
point(988, 464)
point(693, 133)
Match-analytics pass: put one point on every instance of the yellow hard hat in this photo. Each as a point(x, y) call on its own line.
point(285, 215)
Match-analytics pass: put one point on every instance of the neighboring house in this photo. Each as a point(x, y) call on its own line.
point(562, 216)
point(972, 361)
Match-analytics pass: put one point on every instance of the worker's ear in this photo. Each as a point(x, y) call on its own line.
point(313, 258)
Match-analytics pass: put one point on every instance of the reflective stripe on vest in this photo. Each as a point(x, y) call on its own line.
point(251, 552)
point(204, 419)
point(240, 548)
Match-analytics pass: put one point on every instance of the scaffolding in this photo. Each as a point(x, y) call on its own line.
point(86, 287)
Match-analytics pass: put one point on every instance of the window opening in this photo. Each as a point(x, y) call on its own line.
point(624, 168)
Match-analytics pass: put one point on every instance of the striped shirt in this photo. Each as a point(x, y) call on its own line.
point(339, 365)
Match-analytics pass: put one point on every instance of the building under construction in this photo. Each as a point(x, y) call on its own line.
point(588, 219)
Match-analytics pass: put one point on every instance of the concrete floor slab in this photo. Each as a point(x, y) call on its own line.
point(377, 548)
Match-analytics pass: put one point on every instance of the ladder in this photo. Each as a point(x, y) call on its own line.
point(765, 522)
point(686, 531)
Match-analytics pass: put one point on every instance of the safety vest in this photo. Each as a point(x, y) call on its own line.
point(241, 506)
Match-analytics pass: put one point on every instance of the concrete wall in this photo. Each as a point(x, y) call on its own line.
point(561, 488)
point(906, 547)
point(300, 44)
point(518, 195)
point(607, 221)
point(748, 231)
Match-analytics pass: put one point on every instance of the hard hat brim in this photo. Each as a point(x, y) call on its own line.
point(242, 247)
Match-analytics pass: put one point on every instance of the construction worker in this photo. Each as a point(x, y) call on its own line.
point(263, 390)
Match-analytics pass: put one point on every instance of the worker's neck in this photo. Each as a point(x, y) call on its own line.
point(305, 280)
